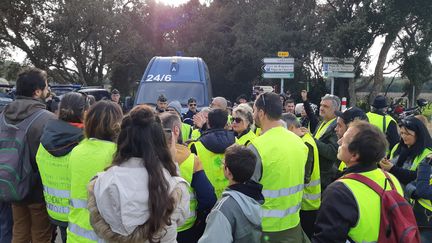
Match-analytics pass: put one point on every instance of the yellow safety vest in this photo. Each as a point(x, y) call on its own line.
point(196, 134)
point(393, 150)
point(186, 131)
point(323, 128)
point(246, 138)
point(55, 177)
point(86, 160)
point(213, 167)
point(186, 172)
point(342, 166)
point(282, 177)
point(369, 205)
point(378, 120)
point(258, 131)
point(312, 190)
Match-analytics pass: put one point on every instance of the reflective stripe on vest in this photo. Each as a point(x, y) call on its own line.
point(212, 164)
point(100, 154)
point(312, 191)
point(186, 172)
point(89, 234)
point(282, 177)
point(78, 203)
point(369, 205)
point(246, 138)
point(323, 128)
point(55, 178)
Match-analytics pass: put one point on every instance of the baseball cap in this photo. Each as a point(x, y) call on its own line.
point(352, 113)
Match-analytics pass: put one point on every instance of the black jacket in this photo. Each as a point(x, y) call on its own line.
point(216, 140)
point(327, 149)
point(339, 211)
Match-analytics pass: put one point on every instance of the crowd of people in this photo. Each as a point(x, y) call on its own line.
point(267, 170)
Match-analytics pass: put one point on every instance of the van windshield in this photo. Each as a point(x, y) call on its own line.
point(150, 91)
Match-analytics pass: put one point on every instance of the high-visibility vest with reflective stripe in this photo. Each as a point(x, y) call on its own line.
point(195, 134)
point(55, 177)
point(283, 155)
point(87, 159)
point(312, 190)
point(378, 120)
point(213, 167)
point(186, 130)
point(323, 128)
point(369, 205)
point(246, 138)
point(424, 202)
point(186, 172)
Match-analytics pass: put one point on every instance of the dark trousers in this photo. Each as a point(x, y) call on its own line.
point(307, 220)
point(6, 222)
point(31, 223)
point(62, 226)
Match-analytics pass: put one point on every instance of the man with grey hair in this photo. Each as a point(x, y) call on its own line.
point(326, 138)
point(219, 103)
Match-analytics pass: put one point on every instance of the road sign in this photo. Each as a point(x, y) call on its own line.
point(278, 68)
point(283, 54)
point(338, 60)
point(278, 75)
point(277, 60)
point(331, 67)
point(338, 75)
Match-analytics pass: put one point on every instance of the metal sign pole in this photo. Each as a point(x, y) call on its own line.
point(282, 86)
point(332, 85)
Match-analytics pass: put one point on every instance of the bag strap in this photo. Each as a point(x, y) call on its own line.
point(370, 183)
point(384, 124)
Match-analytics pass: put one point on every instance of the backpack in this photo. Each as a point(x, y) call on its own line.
point(16, 172)
point(398, 223)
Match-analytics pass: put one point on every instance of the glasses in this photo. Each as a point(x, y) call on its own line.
point(237, 119)
point(192, 104)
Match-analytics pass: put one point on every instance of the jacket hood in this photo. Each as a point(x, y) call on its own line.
point(59, 137)
point(217, 140)
point(251, 208)
point(22, 108)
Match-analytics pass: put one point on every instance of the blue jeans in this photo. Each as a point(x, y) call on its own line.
point(6, 222)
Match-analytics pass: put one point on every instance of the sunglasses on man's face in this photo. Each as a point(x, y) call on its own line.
point(237, 119)
point(192, 104)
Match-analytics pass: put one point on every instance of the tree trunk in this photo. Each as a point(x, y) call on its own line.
point(351, 92)
point(379, 68)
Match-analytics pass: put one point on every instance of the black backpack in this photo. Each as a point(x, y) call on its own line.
point(15, 167)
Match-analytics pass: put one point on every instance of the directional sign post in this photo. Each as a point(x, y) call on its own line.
point(280, 68)
point(334, 67)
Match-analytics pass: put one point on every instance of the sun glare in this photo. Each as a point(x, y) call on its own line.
point(173, 2)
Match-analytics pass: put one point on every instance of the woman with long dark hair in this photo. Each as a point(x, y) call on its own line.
point(58, 139)
point(140, 198)
point(413, 150)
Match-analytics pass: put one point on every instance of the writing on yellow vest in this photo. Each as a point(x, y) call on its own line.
point(55, 177)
